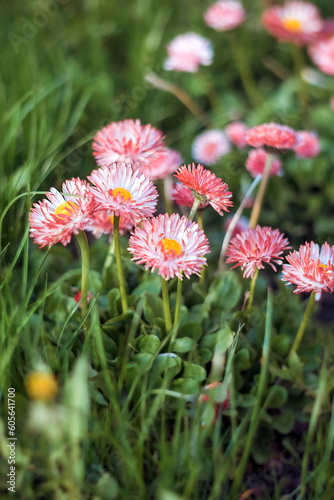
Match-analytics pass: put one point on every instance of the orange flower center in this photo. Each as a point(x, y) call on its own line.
point(111, 218)
point(292, 24)
point(67, 208)
point(324, 267)
point(123, 192)
point(170, 245)
point(42, 386)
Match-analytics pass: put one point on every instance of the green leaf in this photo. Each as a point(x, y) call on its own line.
point(190, 329)
point(167, 365)
point(191, 370)
point(152, 285)
point(149, 343)
point(185, 386)
point(107, 488)
point(224, 292)
point(185, 344)
point(144, 360)
point(241, 360)
point(281, 344)
point(114, 297)
point(285, 422)
point(220, 340)
point(153, 307)
point(277, 396)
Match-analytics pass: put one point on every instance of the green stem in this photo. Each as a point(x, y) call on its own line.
point(262, 189)
point(121, 280)
point(177, 308)
point(303, 324)
point(84, 250)
point(251, 292)
point(298, 61)
point(194, 208)
point(165, 298)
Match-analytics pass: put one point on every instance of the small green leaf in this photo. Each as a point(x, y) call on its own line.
point(190, 329)
point(185, 386)
point(153, 307)
point(281, 344)
point(150, 344)
point(191, 370)
point(277, 396)
point(285, 422)
point(185, 344)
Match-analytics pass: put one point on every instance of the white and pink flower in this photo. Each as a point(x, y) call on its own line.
point(225, 15)
point(322, 54)
point(308, 145)
point(188, 52)
point(163, 164)
point(184, 197)
point(256, 162)
point(210, 146)
point(271, 135)
point(236, 133)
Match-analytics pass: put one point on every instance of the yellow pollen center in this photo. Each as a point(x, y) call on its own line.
point(123, 192)
point(324, 267)
point(67, 208)
point(111, 218)
point(292, 25)
point(170, 245)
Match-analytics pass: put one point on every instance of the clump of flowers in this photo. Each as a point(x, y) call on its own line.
point(322, 54)
point(187, 52)
point(256, 162)
point(271, 135)
point(225, 15)
point(307, 145)
point(253, 248)
point(236, 133)
point(170, 244)
point(210, 146)
point(295, 21)
point(310, 268)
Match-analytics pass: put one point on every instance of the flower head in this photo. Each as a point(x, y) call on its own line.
point(210, 146)
point(256, 161)
point(271, 135)
point(236, 133)
point(41, 386)
point(206, 186)
point(102, 222)
point(295, 21)
point(187, 52)
point(254, 247)
point(124, 192)
point(54, 219)
point(128, 141)
point(310, 268)
point(172, 244)
point(225, 15)
point(322, 54)
point(308, 145)
point(164, 163)
point(183, 196)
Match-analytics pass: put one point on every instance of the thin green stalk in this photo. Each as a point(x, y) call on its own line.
point(165, 298)
point(262, 189)
point(298, 61)
point(251, 292)
point(84, 249)
point(121, 280)
point(305, 320)
point(194, 208)
point(177, 308)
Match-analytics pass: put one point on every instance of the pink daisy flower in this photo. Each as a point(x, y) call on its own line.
point(128, 141)
point(187, 52)
point(308, 145)
point(296, 22)
point(124, 192)
point(236, 133)
point(206, 186)
point(253, 247)
point(183, 196)
point(256, 161)
point(172, 244)
point(103, 223)
point(210, 146)
point(271, 135)
point(242, 224)
point(55, 219)
point(322, 54)
point(311, 269)
point(165, 163)
point(225, 15)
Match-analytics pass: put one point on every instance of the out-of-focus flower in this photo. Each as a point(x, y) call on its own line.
point(271, 135)
point(41, 386)
point(77, 297)
point(224, 405)
point(322, 54)
point(124, 192)
point(165, 163)
point(242, 224)
point(331, 103)
point(254, 247)
point(103, 223)
point(206, 186)
point(308, 145)
point(210, 146)
point(295, 21)
point(327, 30)
point(225, 15)
point(171, 244)
point(236, 133)
point(128, 141)
point(187, 52)
point(256, 161)
point(55, 219)
point(310, 268)
point(183, 196)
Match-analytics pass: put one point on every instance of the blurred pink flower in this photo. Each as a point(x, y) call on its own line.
point(236, 133)
point(256, 161)
point(242, 224)
point(225, 15)
point(322, 54)
point(271, 135)
point(308, 145)
point(170, 244)
point(103, 223)
point(210, 146)
point(183, 196)
point(187, 52)
point(295, 21)
point(163, 164)
point(311, 269)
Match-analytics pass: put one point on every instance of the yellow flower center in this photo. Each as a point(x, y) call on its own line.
point(123, 192)
point(324, 267)
point(170, 245)
point(67, 208)
point(292, 24)
point(42, 386)
point(111, 218)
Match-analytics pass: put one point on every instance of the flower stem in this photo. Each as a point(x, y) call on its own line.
point(298, 61)
point(262, 189)
point(121, 281)
point(251, 292)
point(194, 208)
point(165, 298)
point(304, 322)
point(84, 250)
point(177, 308)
